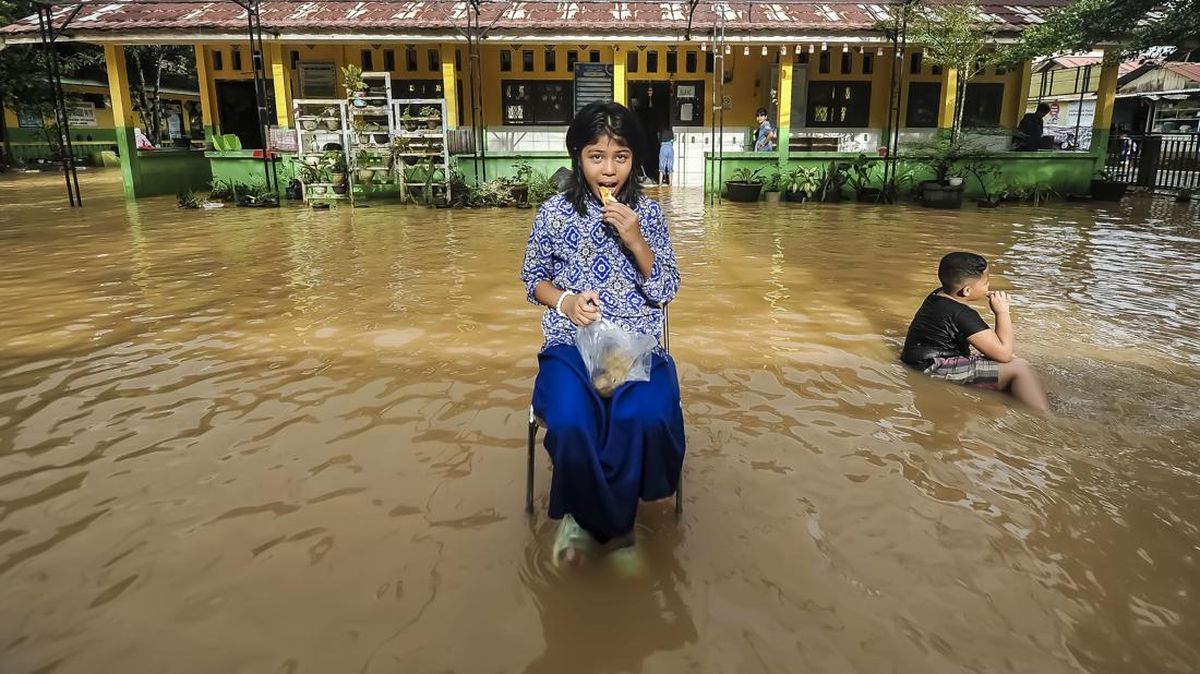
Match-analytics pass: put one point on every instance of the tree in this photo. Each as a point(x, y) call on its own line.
point(1133, 26)
point(955, 36)
point(147, 65)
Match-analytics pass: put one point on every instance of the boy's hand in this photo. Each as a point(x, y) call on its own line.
point(583, 308)
point(999, 301)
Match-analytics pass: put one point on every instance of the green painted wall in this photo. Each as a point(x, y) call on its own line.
point(243, 167)
point(29, 145)
point(500, 165)
point(1066, 172)
point(169, 172)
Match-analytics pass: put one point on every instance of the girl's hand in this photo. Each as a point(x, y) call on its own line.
point(582, 308)
point(627, 223)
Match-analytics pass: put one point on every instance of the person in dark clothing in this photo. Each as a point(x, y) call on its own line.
point(1029, 131)
point(945, 328)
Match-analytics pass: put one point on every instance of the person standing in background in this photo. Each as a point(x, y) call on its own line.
point(764, 140)
point(666, 155)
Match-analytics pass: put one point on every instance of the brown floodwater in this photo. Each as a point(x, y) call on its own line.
point(294, 441)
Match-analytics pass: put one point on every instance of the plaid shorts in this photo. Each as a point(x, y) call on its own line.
point(966, 370)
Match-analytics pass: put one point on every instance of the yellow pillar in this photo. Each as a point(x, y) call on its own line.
point(450, 85)
point(1020, 97)
point(1106, 92)
point(620, 91)
point(946, 106)
point(123, 119)
point(282, 80)
point(785, 105)
point(207, 100)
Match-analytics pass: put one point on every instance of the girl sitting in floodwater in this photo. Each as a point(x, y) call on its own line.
point(601, 248)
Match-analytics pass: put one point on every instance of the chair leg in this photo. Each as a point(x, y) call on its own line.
point(529, 467)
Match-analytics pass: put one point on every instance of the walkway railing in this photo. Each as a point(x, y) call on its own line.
point(1164, 161)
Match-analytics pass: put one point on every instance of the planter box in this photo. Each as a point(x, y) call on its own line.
point(743, 192)
point(937, 195)
point(1108, 190)
point(773, 197)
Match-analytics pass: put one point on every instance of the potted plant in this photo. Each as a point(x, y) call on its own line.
point(744, 185)
point(986, 174)
point(362, 171)
point(335, 162)
point(1105, 188)
point(942, 153)
point(800, 183)
point(834, 182)
point(359, 124)
point(331, 118)
point(519, 183)
point(308, 123)
point(772, 186)
point(860, 176)
point(407, 120)
point(356, 88)
point(432, 116)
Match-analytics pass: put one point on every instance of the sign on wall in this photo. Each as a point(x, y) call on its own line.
point(593, 84)
point(318, 79)
point(28, 119)
point(82, 114)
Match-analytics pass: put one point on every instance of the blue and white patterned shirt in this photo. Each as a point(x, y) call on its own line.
point(580, 253)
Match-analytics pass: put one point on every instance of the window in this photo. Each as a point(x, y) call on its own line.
point(572, 59)
point(295, 58)
point(936, 70)
point(458, 67)
point(538, 101)
point(839, 104)
point(982, 103)
point(672, 62)
point(527, 61)
point(410, 59)
point(434, 57)
point(824, 65)
point(550, 60)
point(368, 59)
point(594, 56)
point(847, 63)
point(631, 61)
point(218, 60)
point(868, 64)
point(923, 101)
point(651, 61)
point(689, 61)
point(710, 62)
point(915, 63)
point(802, 57)
point(389, 59)
point(505, 61)
point(237, 59)
point(417, 89)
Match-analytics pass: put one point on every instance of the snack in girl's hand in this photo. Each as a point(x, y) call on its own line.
point(613, 355)
point(606, 195)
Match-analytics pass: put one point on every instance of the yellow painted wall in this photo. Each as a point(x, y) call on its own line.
point(104, 116)
point(1064, 82)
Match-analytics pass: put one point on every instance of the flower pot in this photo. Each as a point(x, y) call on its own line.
point(1108, 190)
point(333, 124)
point(937, 195)
point(520, 193)
point(317, 189)
point(742, 192)
point(339, 179)
point(773, 196)
point(955, 182)
point(364, 175)
point(308, 124)
point(411, 125)
point(433, 124)
point(869, 195)
point(339, 189)
point(359, 102)
point(796, 197)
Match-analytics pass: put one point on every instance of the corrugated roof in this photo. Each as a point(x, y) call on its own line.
point(555, 19)
point(1188, 70)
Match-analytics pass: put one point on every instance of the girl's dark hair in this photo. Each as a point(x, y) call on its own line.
point(593, 122)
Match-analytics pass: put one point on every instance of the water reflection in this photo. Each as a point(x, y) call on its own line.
point(301, 435)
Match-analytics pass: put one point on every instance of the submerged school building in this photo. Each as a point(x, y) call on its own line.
point(513, 73)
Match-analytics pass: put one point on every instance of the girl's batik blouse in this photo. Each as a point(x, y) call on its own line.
point(581, 252)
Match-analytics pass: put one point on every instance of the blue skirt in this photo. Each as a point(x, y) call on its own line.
point(608, 453)
point(666, 158)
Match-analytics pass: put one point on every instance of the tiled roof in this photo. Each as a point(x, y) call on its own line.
point(553, 19)
point(1188, 70)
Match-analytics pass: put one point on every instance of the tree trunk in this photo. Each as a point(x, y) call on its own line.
point(139, 86)
point(6, 156)
point(155, 100)
point(960, 93)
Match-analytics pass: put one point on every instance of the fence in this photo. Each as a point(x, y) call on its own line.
point(1166, 161)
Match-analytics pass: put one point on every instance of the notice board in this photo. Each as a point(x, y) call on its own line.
point(593, 84)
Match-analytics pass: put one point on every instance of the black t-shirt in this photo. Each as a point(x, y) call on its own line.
point(940, 330)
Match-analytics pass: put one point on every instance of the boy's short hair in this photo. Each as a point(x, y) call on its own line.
point(762, 112)
point(958, 269)
point(1043, 107)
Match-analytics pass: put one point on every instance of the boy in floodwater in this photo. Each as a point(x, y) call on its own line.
point(945, 328)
